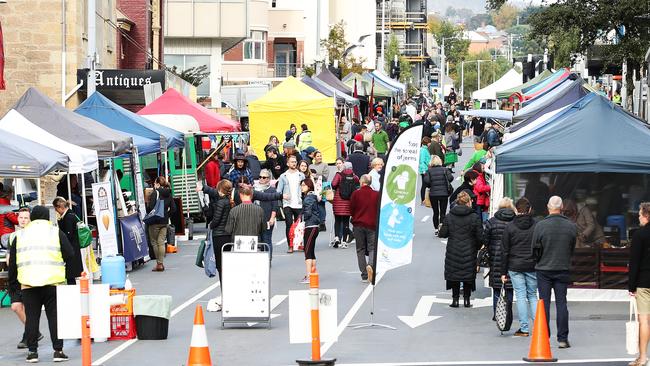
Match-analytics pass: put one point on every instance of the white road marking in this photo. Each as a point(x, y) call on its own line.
point(421, 313)
point(281, 242)
point(351, 313)
point(275, 301)
point(425, 218)
point(177, 310)
point(451, 363)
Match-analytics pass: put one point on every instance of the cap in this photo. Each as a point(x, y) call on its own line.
point(310, 150)
point(289, 145)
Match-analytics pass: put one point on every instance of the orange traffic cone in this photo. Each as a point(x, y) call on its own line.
point(199, 351)
point(540, 345)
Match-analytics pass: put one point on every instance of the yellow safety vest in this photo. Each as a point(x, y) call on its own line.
point(38, 255)
point(304, 140)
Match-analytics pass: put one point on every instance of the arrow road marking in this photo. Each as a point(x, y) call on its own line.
point(425, 218)
point(275, 301)
point(421, 313)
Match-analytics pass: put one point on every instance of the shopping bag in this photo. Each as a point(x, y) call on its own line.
point(427, 200)
point(632, 330)
point(157, 215)
point(296, 234)
point(199, 253)
point(451, 157)
point(84, 233)
point(503, 313)
point(209, 259)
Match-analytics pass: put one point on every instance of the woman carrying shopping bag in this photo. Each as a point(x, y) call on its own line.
point(639, 280)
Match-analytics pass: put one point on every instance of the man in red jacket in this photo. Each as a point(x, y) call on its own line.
point(212, 171)
point(364, 204)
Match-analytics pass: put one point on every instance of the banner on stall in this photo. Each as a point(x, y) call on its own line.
point(134, 239)
point(105, 219)
point(397, 206)
point(139, 187)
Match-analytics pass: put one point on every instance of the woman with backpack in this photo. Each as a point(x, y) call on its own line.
point(158, 229)
point(438, 179)
point(344, 183)
point(312, 220)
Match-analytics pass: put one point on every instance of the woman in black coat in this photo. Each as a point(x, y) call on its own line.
point(492, 235)
point(464, 229)
point(438, 179)
point(220, 211)
point(469, 178)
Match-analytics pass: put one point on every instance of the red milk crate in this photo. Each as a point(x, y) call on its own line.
point(122, 328)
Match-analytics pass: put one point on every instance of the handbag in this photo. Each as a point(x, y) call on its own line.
point(84, 233)
point(156, 215)
point(209, 259)
point(199, 253)
point(632, 329)
point(427, 200)
point(296, 234)
point(503, 313)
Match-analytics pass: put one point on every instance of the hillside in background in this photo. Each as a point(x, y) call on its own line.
point(440, 6)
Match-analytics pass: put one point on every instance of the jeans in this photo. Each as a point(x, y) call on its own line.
point(34, 298)
point(525, 286)
point(558, 281)
point(365, 241)
point(439, 207)
point(290, 215)
point(342, 227)
point(267, 237)
point(495, 298)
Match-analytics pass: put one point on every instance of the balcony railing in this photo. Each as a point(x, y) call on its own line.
point(280, 70)
point(399, 16)
point(411, 49)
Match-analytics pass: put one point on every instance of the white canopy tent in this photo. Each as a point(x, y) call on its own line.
point(510, 80)
point(180, 122)
point(82, 160)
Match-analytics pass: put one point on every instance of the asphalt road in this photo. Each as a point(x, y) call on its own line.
point(458, 337)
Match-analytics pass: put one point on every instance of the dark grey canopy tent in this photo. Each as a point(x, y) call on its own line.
point(22, 158)
point(333, 81)
point(72, 127)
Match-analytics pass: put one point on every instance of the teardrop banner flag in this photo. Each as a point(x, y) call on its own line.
point(397, 207)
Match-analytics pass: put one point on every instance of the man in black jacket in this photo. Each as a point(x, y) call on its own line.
point(554, 240)
point(518, 264)
point(360, 161)
point(68, 224)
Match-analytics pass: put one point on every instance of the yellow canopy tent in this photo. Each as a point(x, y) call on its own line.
point(293, 102)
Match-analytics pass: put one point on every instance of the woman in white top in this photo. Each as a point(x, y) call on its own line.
point(376, 166)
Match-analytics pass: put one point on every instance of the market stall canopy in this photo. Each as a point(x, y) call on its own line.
point(173, 102)
point(382, 89)
point(533, 125)
point(568, 92)
point(388, 80)
point(518, 89)
point(509, 80)
point(72, 127)
point(572, 141)
point(364, 85)
point(293, 102)
point(489, 113)
point(109, 118)
point(545, 85)
point(80, 160)
point(330, 79)
point(325, 89)
point(180, 122)
point(23, 158)
point(363, 88)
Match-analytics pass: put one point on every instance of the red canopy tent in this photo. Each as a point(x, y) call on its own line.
point(173, 102)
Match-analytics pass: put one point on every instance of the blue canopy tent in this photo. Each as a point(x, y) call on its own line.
point(572, 142)
point(567, 93)
point(146, 135)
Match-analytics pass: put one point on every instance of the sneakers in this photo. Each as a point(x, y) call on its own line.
point(364, 280)
point(305, 280)
point(520, 333)
point(32, 357)
point(59, 356)
point(343, 245)
point(335, 243)
point(23, 343)
point(371, 272)
point(435, 232)
point(563, 344)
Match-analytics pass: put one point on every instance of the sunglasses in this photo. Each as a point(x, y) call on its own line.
point(263, 177)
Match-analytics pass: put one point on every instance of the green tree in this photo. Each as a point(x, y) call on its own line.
point(479, 20)
point(392, 50)
point(491, 70)
point(455, 47)
point(336, 47)
point(523, 41)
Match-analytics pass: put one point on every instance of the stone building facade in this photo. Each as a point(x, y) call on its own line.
point(34, 47)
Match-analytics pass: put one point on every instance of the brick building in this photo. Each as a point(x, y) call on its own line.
point(139, 43)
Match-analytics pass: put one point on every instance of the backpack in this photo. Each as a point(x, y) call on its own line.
point(347, 186)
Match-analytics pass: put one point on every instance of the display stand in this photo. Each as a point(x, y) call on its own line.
point(245, 285)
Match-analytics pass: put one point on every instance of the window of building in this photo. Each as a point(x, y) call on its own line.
point(184, 62)
point(255, 46)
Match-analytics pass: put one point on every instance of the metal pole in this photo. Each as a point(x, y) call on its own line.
point(38, 190)
point(69, 191)
point(478, 67)
point(63, 53)
point(83, 199)
point(92, 34)
point(442, 68)
point(624, 85)
point(383, 35)
point(462, 79)
point(86, 355)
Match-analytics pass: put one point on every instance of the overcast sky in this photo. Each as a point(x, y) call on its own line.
point(478, 6)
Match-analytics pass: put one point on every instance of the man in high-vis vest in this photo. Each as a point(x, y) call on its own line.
point(38, 258)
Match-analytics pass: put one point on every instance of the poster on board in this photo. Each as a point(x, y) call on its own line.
point(134, 239)
point(105, 218)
